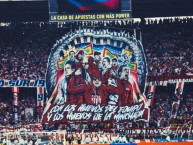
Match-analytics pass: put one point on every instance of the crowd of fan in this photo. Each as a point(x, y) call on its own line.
point(168, 45)
point(24, 48)
point(26, 110)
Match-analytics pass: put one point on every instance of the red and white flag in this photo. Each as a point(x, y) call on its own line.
point(178, 92)
point(175, 106)
point(150, 95)
point(15, 91)
point(40, 96)
point(179, 88)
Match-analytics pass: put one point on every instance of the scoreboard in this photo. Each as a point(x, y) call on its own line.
point(80, 10)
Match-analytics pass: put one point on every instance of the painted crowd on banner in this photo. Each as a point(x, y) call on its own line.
point(94, 82)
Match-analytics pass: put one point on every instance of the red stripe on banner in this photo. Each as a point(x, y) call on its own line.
point(12, 89)
point(40, 90)
point(40, 93)
point(15, 89)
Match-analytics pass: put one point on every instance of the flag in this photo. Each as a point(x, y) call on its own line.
point(178, 92)
point(40, 96)
point(134, 75)
point(137, 95)
point(127, 52)
point(61, 63)
point(40, 100)
point(132, 66)
point(150, 95)
point(15, 91)
point(175, 106)
point(88, 49)
point(133, 70)
point(60, 67)
point(179, 88)
point(108, 53)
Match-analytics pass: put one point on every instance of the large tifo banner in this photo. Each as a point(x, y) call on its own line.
point(96, 76)
point(74, 10)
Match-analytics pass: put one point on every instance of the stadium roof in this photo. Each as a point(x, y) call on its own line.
point(37, 10)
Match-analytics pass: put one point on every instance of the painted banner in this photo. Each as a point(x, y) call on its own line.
point(90, 80)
